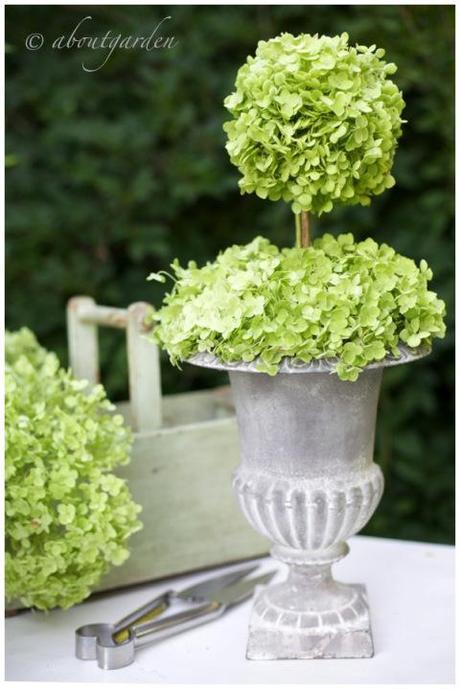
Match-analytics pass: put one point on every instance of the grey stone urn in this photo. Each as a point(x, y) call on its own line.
point(307, 481)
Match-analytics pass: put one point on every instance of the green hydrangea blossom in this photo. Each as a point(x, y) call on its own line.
point(338, 298)
point(67, 516)
point(316, 122)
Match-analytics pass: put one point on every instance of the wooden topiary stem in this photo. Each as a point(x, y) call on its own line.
point(302, 230)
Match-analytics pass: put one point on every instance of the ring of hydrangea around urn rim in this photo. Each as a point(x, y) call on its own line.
point(294, 365)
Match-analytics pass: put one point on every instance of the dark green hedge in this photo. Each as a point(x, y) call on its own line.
point(114, 173)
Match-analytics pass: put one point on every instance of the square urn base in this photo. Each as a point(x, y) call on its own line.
point(276, 634)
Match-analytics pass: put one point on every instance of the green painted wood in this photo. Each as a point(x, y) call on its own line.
point(182, 477)
point(144, 371)
point(83, 318)
point(190, 407)
point(82, 341)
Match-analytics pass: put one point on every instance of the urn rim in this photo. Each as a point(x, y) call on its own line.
point(294, 365)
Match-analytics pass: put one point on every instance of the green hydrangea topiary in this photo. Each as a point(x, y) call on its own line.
point(67, 516)
point(338, 298)
point(316, 122)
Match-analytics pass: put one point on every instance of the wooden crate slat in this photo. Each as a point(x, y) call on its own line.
point(191, 519)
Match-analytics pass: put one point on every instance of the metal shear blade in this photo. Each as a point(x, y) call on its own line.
point(205, 589)
point(112, 654)
point(87, 635)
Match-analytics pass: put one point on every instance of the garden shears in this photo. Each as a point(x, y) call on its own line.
point(113, 645)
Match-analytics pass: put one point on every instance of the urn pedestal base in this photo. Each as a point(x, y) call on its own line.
point(276, 634)
point(310, 615)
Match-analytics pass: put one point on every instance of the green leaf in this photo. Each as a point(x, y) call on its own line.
point(158, 277)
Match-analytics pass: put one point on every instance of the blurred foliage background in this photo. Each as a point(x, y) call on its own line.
point(112, 174)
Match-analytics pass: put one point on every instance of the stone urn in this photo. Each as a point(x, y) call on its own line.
point(307, 481)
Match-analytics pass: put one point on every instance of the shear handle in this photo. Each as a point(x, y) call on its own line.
point(179, 622)
point(144, 613)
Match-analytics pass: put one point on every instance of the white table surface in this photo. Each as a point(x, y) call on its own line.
point(411, 594)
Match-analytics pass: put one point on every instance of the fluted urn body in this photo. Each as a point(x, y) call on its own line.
point(307, 481)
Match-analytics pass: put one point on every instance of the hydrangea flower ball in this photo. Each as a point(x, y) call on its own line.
point(353, 301)
point(68, 517)
point(315, 122)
